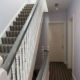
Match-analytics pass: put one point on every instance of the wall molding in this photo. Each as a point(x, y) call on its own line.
point(52, 22)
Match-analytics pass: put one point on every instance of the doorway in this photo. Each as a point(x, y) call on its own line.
point(56, 42)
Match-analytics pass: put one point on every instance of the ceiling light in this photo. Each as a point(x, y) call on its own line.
point(56, 6)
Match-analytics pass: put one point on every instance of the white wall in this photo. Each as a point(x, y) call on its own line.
point(8, 8)
point(74, 11)
point(57, 16)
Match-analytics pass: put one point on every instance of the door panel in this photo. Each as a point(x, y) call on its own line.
point(56, 42)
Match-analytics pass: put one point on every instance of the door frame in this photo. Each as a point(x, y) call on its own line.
point(70, 21)
point(65, 35)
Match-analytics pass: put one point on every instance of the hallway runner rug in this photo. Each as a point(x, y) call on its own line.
point(59, 71)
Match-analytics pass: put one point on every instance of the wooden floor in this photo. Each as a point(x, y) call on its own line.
point(59, 71)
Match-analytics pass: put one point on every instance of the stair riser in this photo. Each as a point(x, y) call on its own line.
point(8, 40)
point(21, 19)
point(18, 23)
point(22, 15)
point(28, 8)
point(5, 49)
point(26, 11)
point(12, 34)
point(15, 28)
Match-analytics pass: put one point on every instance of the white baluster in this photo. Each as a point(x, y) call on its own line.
point(21, 64)
point(10, 74)
point(26, 53)
point(18, 66)
point(23, 59)
point(1, 60)
point(13, 70)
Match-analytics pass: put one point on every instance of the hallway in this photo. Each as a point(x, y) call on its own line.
point(40, 40)
point(59, 71)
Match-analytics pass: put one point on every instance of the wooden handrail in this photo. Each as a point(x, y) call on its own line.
point(40, 75)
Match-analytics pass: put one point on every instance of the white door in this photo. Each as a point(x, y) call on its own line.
point(56, 42)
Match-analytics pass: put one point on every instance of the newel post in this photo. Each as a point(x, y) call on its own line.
point(3, 73)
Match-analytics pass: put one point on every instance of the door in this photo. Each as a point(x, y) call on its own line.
point(56, 42)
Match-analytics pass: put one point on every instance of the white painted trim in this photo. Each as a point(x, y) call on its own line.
point(73, 76)
point(11, 21)
point(1, 60)
point(65, 43)
point(73, 45)
point(65, 49)
point(3, 74)
point(54, 22)
point(69, 58)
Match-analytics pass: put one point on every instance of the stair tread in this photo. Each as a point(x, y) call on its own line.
point(18, 21)
point(21, 18)
point(9, 37)
point(16, 28)
point(3, 54)
point(5, 45)
point(12, 31)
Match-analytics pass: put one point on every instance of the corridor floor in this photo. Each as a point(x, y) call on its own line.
point(59, 71)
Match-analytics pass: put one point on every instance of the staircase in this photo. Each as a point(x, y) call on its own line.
point(11, 35)
point(19, 43)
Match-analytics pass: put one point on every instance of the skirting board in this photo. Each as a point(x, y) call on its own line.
point(74, 78)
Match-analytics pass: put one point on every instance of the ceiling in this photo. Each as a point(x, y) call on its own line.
point(63, 4)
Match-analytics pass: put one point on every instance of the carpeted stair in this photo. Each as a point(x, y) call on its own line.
point(11, 35)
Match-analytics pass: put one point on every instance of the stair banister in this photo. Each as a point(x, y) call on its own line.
point(44, 70)
point(16, 45)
